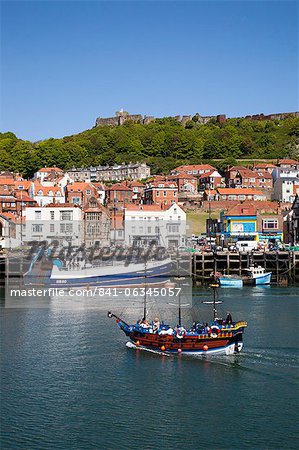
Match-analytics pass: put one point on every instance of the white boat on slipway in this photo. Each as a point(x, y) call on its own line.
point(112, 274)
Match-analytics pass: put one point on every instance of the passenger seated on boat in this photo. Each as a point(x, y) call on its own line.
point(156, 325)
point(229, 319)
point(145, 324)
point(194, 327)
point(180, 331)
point(169, 331)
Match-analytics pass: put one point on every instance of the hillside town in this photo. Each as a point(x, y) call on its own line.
point(126, 204)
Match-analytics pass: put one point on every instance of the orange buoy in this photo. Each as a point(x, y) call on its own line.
point(137, 343)
point(163, 348)
point(205, 348)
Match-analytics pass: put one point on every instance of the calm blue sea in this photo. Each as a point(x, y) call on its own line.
point(69, 382)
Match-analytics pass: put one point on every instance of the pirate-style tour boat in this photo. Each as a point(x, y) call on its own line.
point(219, 336)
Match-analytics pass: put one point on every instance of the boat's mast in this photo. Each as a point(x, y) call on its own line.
point(144, 299)
point(214, 303)
point(179, 278)
point(214, 287)
point(180, 311)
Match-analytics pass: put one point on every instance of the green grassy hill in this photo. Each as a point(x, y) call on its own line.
point(163, 144)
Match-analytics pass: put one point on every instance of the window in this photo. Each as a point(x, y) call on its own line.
point(149, 230)
point(66, 215)
point(158, 194)
point(66, 228)
point(164, 193)
point(37, 228)
point(173, 228)
point(270, 224)
point(52, 215)
point(52, 227)
point(76, 200)
point(38, 215)
point(88, 191)
point(252, 180)
point(157, 230)
point(174, 193)
point(133, 229)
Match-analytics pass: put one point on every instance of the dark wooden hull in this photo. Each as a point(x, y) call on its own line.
point(189, 343)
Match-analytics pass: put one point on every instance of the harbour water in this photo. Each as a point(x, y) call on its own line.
point(69, 382)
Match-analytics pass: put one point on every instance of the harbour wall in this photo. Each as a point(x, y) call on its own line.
point(283, 265)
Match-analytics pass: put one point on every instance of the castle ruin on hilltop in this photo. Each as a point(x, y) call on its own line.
point(122, 117)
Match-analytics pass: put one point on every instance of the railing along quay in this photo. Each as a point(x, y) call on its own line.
point(284, 265)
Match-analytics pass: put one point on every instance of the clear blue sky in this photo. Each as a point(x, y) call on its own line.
point(65, 63)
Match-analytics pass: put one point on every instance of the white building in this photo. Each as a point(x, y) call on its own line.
point(285, 189)
point(54, 222)
point(285, 172)
point(10, 231)
point(100, 191)
point(48, 172)
point(44, 195)
point(131, 171)
point(149, 224)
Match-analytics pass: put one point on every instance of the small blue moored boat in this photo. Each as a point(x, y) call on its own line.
point(256, 276)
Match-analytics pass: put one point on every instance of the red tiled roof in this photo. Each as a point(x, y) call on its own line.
point(208, 174)
point(210, 192)
point(7, 181)
point(98, 184)
point(10, 216)
point(79, 186)
point(143, 208)
point(288, 161)
point(25, 184)
point(166, 184)
point(264, 175)
point(118, 187)
point(242, 210)
point(264, 166)
point(181, 176)
point(136, 183)
point(46, 189)
point(23, 196)
point(247, 173)
point(50, 169)
point(195, 167)
point(239, 191)
point(235, 168)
